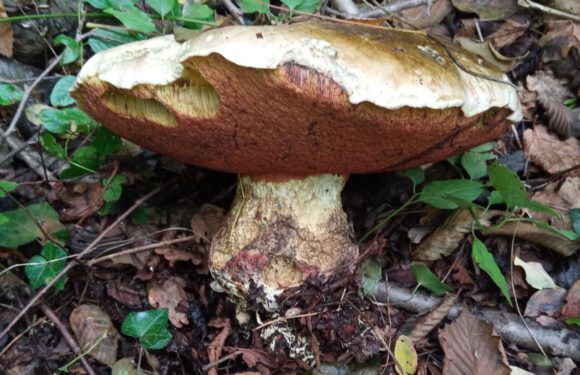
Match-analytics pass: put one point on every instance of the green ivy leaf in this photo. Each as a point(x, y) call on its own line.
point(72, 50)
point(142, 215)
point(60, 95)
point(150, 327)
point(50, 144)
point(486, 262)
point(9, 94)
point(253, 6)
point(441, 194)
point(6, 187)
point(427, 279)
point(371, 275)
point(134, 19)
point(54, 120)
point(41, 269)
point(575, 219)
point(105, 142)
point(115, 189)
point(162, 7)
point(22, 227)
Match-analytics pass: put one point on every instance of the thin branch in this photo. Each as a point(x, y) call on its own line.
point(67, 337)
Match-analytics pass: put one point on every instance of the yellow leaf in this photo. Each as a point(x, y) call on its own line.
point(406, 355)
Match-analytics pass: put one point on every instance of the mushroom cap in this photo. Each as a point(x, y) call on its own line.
point(300, 99)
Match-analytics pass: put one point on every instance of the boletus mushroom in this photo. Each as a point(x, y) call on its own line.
point(294, 110)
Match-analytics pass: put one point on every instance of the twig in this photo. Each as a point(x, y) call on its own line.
point(138, 249)
point(34, 164)
point(221, 360)
point(395, 7)
point(74, 263)
point(348, 7)
point(67, 337)
point(234, 11)
point(559, 342)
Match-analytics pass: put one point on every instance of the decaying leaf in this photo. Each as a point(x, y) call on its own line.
point(6, 35)
point(472, 347)
point(207, 221)
point(124, 294)
point(214, 350)
point(558, 117)
point(124, 366)
point(82, 200)
point(563, 34)
point(406, 355)
point(561, 196)
point(428, 322)
point(536, 276)
point(174, 254)
point(546, 301)
point(550, 153)
point(547, 86)
point(572, 307)
point(487, 9)
point(419, 17)
point(94, 330)
point(170, 294)
point(485, 50)
point(508, 32)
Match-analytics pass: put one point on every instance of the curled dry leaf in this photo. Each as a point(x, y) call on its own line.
point(472, 347)
point(508, 33)
point(94, 330)
point(550, 153)
point(428, 322)
point(82, 200)
point(6, 35)
point(558, 117)
point(170, 294)
point(419, 17)
point(536, 275)
point(572, 307)
point(484, 49)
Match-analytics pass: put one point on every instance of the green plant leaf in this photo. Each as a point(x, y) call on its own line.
point(575, 219)
point(427, 279)
point(115, 189)
point(559, 231)
point(60, 97)
point(150, 327)
point(6, 187)
point(104, 39)
point(84, 160)
point(439, 194)
point(54, 120)
point(417, 175)
point(9, 94)
point(475, 163)
point(539, 207)
point(3, 219)
point(253, 6)
point(371, 275)
point(50, 144)
point(72, 50)
point(134, 19)
point(142, 215)
point(22, 228)
point(105, 142)
point(195, 11)
point(98, 4)
point(486, 262)
point(573, 320)
point(508, 185)
point(309, 6)
point(162, 7)
point(41, 269)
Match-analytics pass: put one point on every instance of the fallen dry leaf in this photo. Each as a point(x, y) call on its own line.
point(536, 275)
point(549, 152)
point(6, 35)
point(572, 307)
point(420, 18)
point(94, 330)
point(547, 86)
point(207, 221)
point(214, 350)
point(432, 319)
point(124, 294)
point(171, 295)
point(546, 301)
point(508, 33)
point(561, 196)
point(472, 347)
point(82, 200)
point(558, 116)
point(564, 34)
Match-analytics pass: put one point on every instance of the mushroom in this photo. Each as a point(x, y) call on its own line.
point(294, 109)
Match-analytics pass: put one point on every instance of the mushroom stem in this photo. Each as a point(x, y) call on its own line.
point(280, 231)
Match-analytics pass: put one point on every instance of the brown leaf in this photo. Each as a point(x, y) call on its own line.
point(507, 33)
point(432, 319)
point(94, 330)
point(547, 86)
point(6, 35)
point(563, 34)
point(551, 153)
point(472, 347)
point(558, 117)
point(545, 301)
point(572, 307)
point(207, 221)
point(124, 294)
point(561, 196)
point(420, 18)
point(82, 200)
point(214, 350)
point(461, 275)
point(170, 294)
